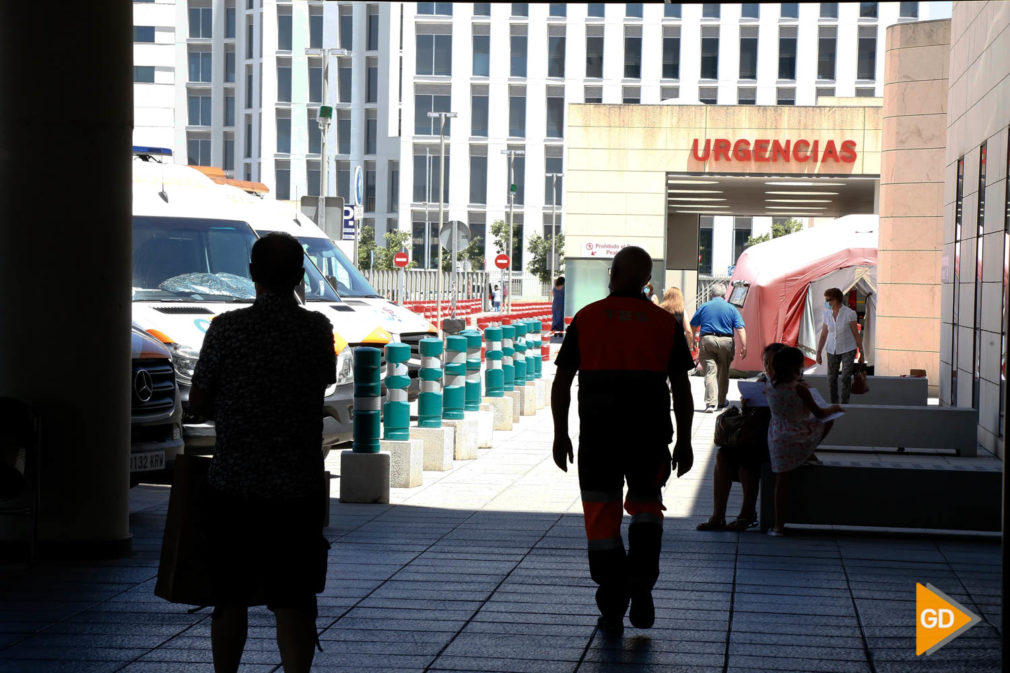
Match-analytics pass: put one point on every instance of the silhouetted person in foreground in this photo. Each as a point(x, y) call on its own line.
point(624, 348)
point(261, 377)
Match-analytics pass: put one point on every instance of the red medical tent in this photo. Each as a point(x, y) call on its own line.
point(772, 281)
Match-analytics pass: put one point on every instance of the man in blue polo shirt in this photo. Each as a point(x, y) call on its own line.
point(716, 321)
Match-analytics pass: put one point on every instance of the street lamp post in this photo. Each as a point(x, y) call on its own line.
point(511, 154)
point(325, 114)
point(554, 213)
point(441, 116)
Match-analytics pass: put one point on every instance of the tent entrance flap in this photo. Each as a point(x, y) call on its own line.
point(861, 278)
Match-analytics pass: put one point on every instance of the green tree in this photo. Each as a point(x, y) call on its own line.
point(474, 251)
point(393, 242)
point(540, 256)
point(500, 231)
point(779, 229)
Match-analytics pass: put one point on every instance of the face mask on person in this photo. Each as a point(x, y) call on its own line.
point(827, 304)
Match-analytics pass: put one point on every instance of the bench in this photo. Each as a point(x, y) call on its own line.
point(901, 427)
point(921, 494)
point(901, 390)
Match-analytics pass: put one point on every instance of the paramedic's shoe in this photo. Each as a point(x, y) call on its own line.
point(642, 614)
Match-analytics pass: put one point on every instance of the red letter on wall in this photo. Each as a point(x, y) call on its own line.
point(780, 150)
point(720, 147)
point(694, 150)
point(848, 154)
point(761, 150)
point(797, 156)
point(741, 150)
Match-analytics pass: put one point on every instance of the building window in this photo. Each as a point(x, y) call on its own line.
point(671, 10)
point(517, 113)
point(789, 10)
point(312, 126)
point(284, 32)
point(199, 111)
point(478, 116)
point(481, 55)
point(517, 56)
point(229, 22)
point(558, 9)
point(284, 83)
point(393, 202)
point(865, 92)
point(705, 245)
point(284, 135)
point(708, 95)
point(908, 10)
point(748, 55)
point(631, 95)
point(143, 33)
point(372, 79)
point(632, 57)
point(787, 54)
point(249, 51)
point(555, 116)
point(229, 154)
point(346, 28)
point(435, 8)
point(593, 94)
point(595, 10)
point(478, 178)
point(316, 31)
point(594, 57)
point(1006, 275)
point(371, 133)
point(344, 132)
point(248, 138)
point(750, 10)
point(143, 73)
point(372, 43)
point(283, 175)
point(482, 9)
point(424, 242)
point(200, 24)
point(556, 56)
point(710, 10)
point(824, 92)
point(669, 93)
point(829, 10)
point(434, 55)
point(867, 10)
point(198, 151)
point(866, 67)
point(633, 10)
point(344, 180)
point(746, 95)
point(229, 110)
point(425, 103)
point(742, 228)
point(671, 58)
point(200, 66)
point(785, 95)
point(519, 175)
point(248, 88)
point(710, 55)
point(370, 187)
point(315, 82)
point(343, 81)
point(826, 46)
point(229, 66)
point(552, 165)
point(312, 178)
point(520, 9)
point(979, 239)
point(426, 177)
point(955, 307)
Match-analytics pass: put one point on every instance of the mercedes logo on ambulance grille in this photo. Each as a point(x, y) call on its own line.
point(143, 385)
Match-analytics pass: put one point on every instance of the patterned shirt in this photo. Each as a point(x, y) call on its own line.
point(266, 369)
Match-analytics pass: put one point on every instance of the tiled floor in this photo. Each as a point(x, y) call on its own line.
point(483, 569)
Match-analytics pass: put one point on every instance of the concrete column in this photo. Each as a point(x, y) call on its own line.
point(65, 258)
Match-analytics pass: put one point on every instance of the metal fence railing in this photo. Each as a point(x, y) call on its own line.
point(422, 285)
point(705, 284)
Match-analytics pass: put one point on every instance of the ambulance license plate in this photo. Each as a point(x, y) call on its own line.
point(145, 462)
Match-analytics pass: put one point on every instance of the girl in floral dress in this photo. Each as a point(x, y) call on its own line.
point(793, 433)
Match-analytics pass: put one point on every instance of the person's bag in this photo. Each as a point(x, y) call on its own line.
point(727, 427)
point(859, 386)
point(746, 431)
point(183, 573)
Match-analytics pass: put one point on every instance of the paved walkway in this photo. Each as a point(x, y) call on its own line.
point(483, 569)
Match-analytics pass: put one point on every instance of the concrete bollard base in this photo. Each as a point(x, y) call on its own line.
point(406, 461)
point(548, 385)
point(438, 447)
point(528, 400)
point(364, 477)
point(516, 397)
point(501, 408)
point(541, 393)
point(485, 426)
point(466, 437)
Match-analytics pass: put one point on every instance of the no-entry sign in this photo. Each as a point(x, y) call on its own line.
point(400, 259)
point(501, 261)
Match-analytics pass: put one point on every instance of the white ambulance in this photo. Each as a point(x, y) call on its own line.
point(191, 248)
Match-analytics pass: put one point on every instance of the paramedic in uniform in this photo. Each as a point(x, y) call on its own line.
point(624, 348)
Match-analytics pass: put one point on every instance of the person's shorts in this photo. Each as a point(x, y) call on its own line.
point(266, 551)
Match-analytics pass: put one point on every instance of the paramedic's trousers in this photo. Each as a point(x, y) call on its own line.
point(602, 473)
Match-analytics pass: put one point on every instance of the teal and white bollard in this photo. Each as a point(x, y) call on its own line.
point(473, 344)
point(364, 470)
point(538, 346)
point(494, 376)
point(429, 401)
point(396, 411)
point(507, 352)
point(367, 399)
point(519, 359)
point(532, 350)
point(453, 390)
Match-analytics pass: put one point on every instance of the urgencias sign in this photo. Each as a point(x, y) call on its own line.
point(765, 150)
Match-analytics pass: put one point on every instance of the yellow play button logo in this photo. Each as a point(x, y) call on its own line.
point(939, 619)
